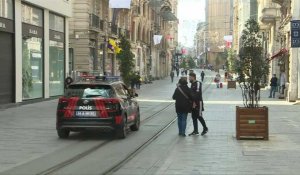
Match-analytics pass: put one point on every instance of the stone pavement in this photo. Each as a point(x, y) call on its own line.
point(219, 152)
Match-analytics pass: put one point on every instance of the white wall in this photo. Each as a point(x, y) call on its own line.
point(63, 7)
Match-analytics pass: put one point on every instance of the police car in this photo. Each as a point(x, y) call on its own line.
point(105, 105)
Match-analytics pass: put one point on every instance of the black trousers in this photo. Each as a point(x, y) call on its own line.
point(196, 116)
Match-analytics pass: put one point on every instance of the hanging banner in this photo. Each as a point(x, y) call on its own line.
point(157, 39)
point(119, 4)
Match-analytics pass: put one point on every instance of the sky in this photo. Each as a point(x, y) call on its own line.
point(190, 13)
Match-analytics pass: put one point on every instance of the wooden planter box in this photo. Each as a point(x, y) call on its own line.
point(231, 84)
point(252, 123)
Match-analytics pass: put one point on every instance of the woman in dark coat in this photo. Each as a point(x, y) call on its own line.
point(183, 105)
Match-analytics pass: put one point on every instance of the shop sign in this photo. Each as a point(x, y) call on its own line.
point(295, 33)
point(57, 36)
point(32, 31)
point(6, 25)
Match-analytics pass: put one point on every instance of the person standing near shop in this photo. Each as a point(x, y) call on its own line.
point(196, 89)
point(273, 86)
point(183, 104)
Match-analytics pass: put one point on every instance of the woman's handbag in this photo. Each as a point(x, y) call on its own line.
point(190, 102)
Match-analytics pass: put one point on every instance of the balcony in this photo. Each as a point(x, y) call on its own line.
point(280, 2)
point(269, 15)
point(94, 22)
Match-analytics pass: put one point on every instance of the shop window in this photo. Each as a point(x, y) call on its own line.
point(32, 69)
point(56, 55)
point(56, 69)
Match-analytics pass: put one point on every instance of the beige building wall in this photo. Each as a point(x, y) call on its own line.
point(219, 23)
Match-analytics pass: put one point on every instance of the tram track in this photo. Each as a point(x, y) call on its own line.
point(117, 166)
point(73, 159)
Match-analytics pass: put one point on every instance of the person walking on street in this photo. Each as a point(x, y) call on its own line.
point(273, 86)
point(202, 76)
point(183, 104)
point(172, 76)
point(196, 89)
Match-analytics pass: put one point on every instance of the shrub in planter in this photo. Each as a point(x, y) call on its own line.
point(251, 68)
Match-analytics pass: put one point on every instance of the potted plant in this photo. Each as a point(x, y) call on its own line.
point(251, 67)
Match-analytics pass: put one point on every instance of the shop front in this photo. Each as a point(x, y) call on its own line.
point(32, 52)
point(7, 88)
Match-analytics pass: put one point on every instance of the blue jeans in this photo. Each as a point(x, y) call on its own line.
point(181, 119)
point(272, 91)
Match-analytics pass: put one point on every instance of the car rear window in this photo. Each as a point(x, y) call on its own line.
point(89, 91)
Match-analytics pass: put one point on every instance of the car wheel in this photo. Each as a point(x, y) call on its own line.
point(121, 131)
point(136, 125)
point(63, 133)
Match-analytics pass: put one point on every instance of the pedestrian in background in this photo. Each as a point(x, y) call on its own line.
point(196, 89)
point(183, 104)
point(172, 76)
point(202, 76)
point(273, 85)
point(217, 80)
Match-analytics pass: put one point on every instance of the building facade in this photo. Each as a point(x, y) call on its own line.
point(94, 23)
point(34, 49)
point(219, 18)
point(288, 58)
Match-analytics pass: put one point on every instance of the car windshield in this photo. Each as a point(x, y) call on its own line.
point(89, 91)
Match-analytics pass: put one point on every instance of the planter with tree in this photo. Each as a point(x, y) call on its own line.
point(252, 119)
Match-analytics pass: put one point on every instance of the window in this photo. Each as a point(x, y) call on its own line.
point(56, 54)
point(6, 9)
point(32, 68)
point(89, 91)
point(32, 15)
point(57, 23)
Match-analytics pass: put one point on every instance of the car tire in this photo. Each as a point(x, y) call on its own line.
point(121, 131)
point(63, 133)
point(136, 125)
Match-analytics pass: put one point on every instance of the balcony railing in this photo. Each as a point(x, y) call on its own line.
point(94, 22)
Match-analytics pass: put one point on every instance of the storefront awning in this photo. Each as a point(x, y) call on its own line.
point(282, 51)
point(168, 16)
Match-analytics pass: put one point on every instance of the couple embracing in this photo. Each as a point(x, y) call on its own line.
point(189, 100)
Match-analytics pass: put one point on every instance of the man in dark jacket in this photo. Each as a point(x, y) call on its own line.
point(202, 76)
point(196, 88)
point(273, 86)
point(183, 104)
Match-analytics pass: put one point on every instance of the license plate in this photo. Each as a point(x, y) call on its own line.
point(86, 113)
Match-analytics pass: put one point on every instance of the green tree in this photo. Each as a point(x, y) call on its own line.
point(126, 60)
point(191, 63)
point(231, 61)
point(252, 67)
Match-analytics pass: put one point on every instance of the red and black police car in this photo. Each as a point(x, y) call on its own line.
point(98, 104)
